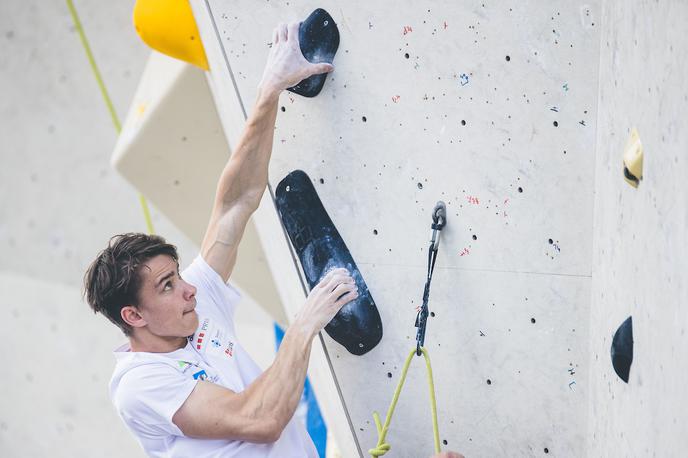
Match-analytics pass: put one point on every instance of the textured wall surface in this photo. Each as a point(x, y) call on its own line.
point(641, 235)
point(492, 109)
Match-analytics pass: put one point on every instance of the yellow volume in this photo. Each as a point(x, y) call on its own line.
point(168, 26)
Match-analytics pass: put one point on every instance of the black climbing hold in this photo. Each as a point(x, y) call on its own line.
point(630, 176)
point(320, 248)
point(319, 40)
point(622, 349)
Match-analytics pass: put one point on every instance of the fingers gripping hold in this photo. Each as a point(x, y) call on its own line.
point(337, 279)
point(343, 288)
point(322, 68)
point(327, 278)
point(286, 64)
point(336, 289)
point(293, 32)
point(345, 293)
point(282, 32)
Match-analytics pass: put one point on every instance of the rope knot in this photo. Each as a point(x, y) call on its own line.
point(382, 447)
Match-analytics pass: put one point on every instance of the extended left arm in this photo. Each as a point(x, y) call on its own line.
point(245, 176)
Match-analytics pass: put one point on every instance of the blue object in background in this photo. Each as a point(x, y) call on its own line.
point(314, 421)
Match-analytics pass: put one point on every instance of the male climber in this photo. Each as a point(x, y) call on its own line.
point(183, 384)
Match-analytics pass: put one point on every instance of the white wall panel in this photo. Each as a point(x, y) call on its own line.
point(518, 175)
point(641, 235)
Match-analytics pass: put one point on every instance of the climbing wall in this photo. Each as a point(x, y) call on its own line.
point(641, 235)
point(490, 107)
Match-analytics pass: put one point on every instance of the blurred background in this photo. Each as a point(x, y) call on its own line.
point(60, 202)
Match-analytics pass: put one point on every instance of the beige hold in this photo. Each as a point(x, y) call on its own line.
point(633, 160)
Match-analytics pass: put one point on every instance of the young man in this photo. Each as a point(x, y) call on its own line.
point(183, 384)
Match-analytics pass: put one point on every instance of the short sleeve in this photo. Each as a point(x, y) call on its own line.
point(149, 395)
point(211, 288)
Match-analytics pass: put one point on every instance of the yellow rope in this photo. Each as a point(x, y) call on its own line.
point(382, 447)
point(106, 98)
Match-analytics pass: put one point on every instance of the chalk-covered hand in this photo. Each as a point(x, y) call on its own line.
point(334, 291)
point(286, 65)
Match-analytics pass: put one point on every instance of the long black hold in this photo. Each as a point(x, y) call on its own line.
point(319, 40)
point(320, 248)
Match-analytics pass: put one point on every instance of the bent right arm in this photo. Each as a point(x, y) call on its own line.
point(263, 409)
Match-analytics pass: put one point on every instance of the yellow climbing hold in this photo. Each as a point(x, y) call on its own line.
point(168, 26)
point(383, 447)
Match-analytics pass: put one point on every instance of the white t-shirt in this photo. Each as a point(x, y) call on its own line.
point(147, 389)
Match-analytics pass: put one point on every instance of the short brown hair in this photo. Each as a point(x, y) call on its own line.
point(113, 279)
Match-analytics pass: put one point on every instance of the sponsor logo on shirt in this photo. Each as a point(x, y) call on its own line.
point(200, 375)
point(197, 372)
point(201, 334)
point(213, 337)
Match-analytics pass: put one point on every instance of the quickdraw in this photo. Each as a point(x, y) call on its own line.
point(439, 220)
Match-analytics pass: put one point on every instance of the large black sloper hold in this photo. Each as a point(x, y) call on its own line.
point(622, 349)
point(319, 40)
point(357, 326)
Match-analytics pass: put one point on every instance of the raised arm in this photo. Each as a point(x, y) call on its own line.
point(245, 176)
point(261, 412)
